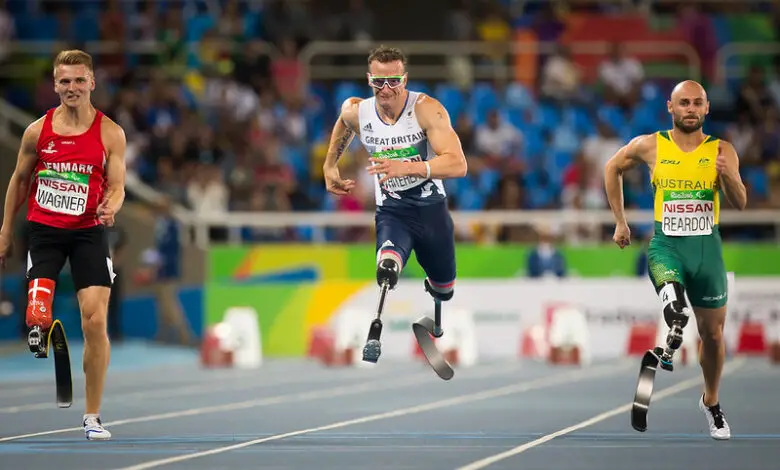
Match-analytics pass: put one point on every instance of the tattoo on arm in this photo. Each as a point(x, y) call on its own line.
point(343, 142)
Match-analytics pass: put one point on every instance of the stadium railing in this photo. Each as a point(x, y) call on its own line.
point(315, 49)
point(319, 221)
point(33, 51)
point(13, 122)
point(478, 48)
point(731, 50)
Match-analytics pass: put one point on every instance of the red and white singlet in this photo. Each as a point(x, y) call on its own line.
point(69, 178)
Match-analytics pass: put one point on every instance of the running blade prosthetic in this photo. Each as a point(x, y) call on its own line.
point(40, 343)
point(425, 330)
point(649, 366)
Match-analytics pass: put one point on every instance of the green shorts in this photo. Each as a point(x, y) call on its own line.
point(695, 262)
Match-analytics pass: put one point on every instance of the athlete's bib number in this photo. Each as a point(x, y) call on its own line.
point(688, 213)
point(62, 192)
point(401, 183)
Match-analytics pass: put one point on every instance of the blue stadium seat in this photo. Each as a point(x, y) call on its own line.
point(547, 116)
point(298, 159)
point(758, 180)
point(646, 118)
point(452, 186)
point(416, 85)
point(560, 159)
point(451, 98)
point(37, 28)
point(471, 200)
point(518, 97)
point(579, 120)
point(483, 99)
point(516, 117)
point(564, 139)
point(197, 26)
point(329, 202)
point(86, 26)
point(344, 90)
point(488, 181)
point(304, 233)
point(540, 197)
point(612, 115)
point(251, 24)
point(533, 141)
point(650, 92)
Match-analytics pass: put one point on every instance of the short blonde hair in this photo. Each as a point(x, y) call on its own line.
point(73, 57)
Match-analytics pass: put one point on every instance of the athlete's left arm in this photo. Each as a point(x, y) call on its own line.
point(450, 161)
point(116, 144)
point(727, 165)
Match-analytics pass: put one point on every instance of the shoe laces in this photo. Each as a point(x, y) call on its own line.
point(93, 421)
point(717, 415)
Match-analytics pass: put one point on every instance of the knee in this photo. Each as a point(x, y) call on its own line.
point(94, 325)
point(94, 321)
point(711, 332)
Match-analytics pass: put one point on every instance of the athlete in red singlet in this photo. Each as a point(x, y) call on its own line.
point(70, 176)
point(71, 171)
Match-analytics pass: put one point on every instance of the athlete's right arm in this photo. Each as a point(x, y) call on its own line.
point(630, 155)
point(19, 185)
point(340, 138)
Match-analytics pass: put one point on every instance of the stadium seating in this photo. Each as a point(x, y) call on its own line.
point(551, 134)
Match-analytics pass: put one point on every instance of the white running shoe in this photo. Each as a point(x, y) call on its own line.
point(94, 429)
point(719, 428)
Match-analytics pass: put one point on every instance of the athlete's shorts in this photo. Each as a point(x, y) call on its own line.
point(426, 230)
point(86, 249)
point(695, 262)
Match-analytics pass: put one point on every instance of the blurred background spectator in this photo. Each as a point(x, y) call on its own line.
point(228, 104)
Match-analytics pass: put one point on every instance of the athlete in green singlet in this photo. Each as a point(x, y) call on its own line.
point(688, 171)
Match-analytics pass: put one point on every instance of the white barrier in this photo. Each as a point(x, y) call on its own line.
point(569, 329)
point(502, 309)
point(351, 328)
point(460, 336)
point(243, 337)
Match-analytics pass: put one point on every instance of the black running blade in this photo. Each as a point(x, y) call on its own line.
point(423, 331)
point(644, 391)
point(62, 372)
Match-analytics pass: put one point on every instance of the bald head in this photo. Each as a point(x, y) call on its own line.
point(689, 88)
point(688, 105)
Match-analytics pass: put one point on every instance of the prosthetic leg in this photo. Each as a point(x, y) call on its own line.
point(46, 334)
point(676, 314)
point(387, 273)
point(425, 330)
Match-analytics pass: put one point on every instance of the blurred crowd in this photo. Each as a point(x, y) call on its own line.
point(218, 124)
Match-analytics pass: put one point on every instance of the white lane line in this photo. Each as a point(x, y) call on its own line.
point(117, 379)
point(213, 385)
point(371, 384)
point(657, 396)
point(544, 382)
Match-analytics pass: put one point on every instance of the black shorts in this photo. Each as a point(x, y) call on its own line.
point(86, 249)
point(426, 230)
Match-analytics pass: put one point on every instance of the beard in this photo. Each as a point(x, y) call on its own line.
point(679, 122)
